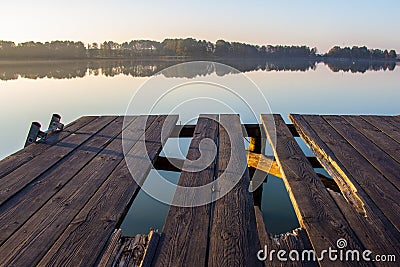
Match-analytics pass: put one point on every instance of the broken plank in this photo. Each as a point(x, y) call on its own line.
point(370, 211)
point(314, 207)
point(267, 243)
point(371, 232)
point(110, 253)
point(373, 189)
point(149, 255)
point(295, 240)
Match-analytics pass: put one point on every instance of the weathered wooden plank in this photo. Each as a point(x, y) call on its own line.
point(263, 236)
point(90, 229)
point(268, 165)
point(149, 255)
point(296, 240)
point(14, 161)
point(372, 188)
point(30, 242)
point(233, 240)
point(268, 242)
point(388, 125)
point(112, 249)
point(249, 130)
point(376, 157)
point(370, 211)
point(263, 163)
point(314, 207)
point(370, 231)
point(28, 201)
point(131, 251)
point(379, 138)
point(21, 177)
point(328, 160)
point(186, 229)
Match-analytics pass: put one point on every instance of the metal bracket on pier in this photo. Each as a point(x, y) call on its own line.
point(35, 134)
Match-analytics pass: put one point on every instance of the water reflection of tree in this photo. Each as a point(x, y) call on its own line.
point(360, 66)
point(43, 69)
point(144, 68)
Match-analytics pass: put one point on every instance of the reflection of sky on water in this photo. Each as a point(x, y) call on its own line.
point(146, 212)
point(201, 94)
point(319, 91)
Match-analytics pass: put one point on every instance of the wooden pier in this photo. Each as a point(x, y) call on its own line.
point(63, 199)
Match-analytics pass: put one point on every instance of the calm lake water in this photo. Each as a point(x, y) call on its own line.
point(33, 91)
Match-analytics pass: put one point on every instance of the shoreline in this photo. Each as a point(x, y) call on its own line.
point(321, 59)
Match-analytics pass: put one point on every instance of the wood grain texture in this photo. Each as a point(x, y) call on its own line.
point(21, 177)
point(376, 157)
point(234, 240)
point(268, 165)
point(315, 209)
point(14, 161)
point(28, 201)
point(372, 233)
point(30, 242)
point(186, 229)
point(372, 216)
point(387, 124)
point(328, 160)
point(296, 240)
point(263, 163)
point(111, 252)
point(149, 255)
point(370, 185)
point(376, 136)
point(264, 237)
point(92, 226)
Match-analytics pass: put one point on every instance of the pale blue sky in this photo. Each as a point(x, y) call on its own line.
point(315, 23)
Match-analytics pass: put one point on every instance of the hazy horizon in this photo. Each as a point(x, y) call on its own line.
point(319, 24)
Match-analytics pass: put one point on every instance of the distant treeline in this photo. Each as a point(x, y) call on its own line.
point(361, 53)
point(188, 47)
point(185, 48)
point(48, 50)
